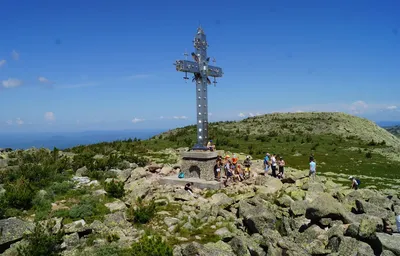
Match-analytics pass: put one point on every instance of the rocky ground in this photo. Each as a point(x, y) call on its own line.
point(260, 216)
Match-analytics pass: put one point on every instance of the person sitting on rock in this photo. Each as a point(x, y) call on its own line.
point(234, 159)
point(210, 146)
point(239, 171)
point(355, 183)
point(217, 168)
point(188, 188)
point(247, 164)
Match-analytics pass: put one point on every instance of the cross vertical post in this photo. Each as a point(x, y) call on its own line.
point(201, 71)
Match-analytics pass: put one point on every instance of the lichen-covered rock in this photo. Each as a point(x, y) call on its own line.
point(285, 201)
point(256, 216)
point(382, 202)
point(368, 226)
point(298, 208)
point(117, 205)
point(325, 206)
point(13, 229)
point(298, 194)
point(221, 200)
point(390, 242)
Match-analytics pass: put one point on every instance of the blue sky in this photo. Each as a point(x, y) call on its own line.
point(78, 65)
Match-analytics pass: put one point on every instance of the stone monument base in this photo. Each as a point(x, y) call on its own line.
point(199, 164)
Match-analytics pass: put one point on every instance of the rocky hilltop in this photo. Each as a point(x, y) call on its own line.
point(69, 203)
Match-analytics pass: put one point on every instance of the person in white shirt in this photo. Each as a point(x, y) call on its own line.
point(273, 165)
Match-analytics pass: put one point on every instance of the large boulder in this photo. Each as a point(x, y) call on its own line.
point(13, 229)
point(325, 206)
point(257, 217)
point(368, 226)
point(374, 210)
point(390, 242)
point(195, 248)
point(138, 188)
point(221, 200)
point(245, 246)
point(271, 185)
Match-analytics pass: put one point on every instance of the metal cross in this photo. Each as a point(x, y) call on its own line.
point(201, 70)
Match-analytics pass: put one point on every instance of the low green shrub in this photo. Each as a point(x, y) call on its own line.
point(115, 188)
point(143, 212)
point(19, 194)
point(42, 242)
point(89, 209)
point(151, 246)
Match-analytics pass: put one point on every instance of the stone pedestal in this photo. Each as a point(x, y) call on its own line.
point(199, 164)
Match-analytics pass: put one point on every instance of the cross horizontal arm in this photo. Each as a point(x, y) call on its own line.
point(193, 67)
point(215, 71)
point(187, 66)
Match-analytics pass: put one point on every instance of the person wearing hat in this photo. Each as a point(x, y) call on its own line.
point(355, 183)
point(210, 146)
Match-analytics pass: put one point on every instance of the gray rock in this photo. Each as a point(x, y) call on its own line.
point(70, 241)
point(382, 202)
point(76, 226)
point(138, 188)
point(256, 216)
point(390, 242)
point(117, 205)
point(325, 206)
point(221, 200)
point(169, 221)
point(13, 229)
point(138, 173)
point(368, 226)
point(81, 171)
point(298, 208)
point(224, 233)
point(374, 210)
point(285, 201)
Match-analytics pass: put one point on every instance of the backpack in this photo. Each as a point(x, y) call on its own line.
point(358, 181)
point(181, 175)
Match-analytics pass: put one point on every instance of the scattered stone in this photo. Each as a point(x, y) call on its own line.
point(117, 205)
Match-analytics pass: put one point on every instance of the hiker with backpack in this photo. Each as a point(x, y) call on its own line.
point(355, 183)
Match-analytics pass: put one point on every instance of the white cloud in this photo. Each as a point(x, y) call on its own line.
point(11, 83)
point(44, 80)
point(358, 107)
point(137, 120)
point(9, 122)
point(19, 121)
point(49, 116)
point(2, 62)
point(180, 117)
point(251, 114)
point(15, 55)
point(241, 115)
point(392, 107)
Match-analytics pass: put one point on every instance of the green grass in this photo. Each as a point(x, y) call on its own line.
point(331, 151)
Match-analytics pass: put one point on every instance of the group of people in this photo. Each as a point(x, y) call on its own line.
point(271, 163)
point(233, 171)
